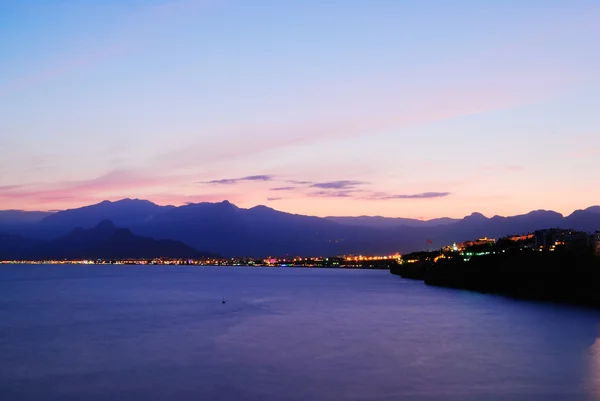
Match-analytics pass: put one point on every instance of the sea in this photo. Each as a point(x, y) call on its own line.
point(286, 334)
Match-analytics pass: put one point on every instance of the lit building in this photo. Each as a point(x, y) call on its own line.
point(480, 241)
point(544, 239)
point(516, 238)
point(451, 248)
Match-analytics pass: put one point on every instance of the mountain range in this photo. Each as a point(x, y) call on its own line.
point(226, 229)
point(104, 240)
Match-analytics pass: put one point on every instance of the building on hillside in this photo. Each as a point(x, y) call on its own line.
point(479, 242)
point(544, 239)
point(451, 248)
point(551, 238)
point(524, 237)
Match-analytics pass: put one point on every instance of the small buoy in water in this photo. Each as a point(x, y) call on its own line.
point(223, 301)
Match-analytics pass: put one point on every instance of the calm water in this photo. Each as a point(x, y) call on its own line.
point(162, 333)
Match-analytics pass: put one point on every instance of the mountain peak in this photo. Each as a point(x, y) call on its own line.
point(125, 201)
point(106, 225)
point(261, 207)
point(476, 216)
point(135, 201)
point(543, 211)
point(226, 203)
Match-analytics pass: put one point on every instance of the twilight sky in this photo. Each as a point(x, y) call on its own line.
point(398, 108)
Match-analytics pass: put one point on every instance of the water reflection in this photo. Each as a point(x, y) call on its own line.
point(592, 377)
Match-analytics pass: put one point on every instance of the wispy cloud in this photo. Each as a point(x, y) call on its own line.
point(8, 187)
point(454, 101)
point(109, 185)
point(359, 194)
point(424, 195)
point(332, 194)
point(232, 181)
point(284, 188)
point(296, 182)
point(343, 184)
point(275, 199)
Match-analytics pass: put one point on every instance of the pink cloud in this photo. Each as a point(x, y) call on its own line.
point(114, 183)
point(236, 141)
point(118, 184)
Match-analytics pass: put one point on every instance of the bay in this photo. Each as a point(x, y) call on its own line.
point(162, 332)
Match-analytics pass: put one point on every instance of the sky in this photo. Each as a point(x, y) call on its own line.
point(416, 109)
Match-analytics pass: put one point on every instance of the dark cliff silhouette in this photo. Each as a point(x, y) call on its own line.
point(261, 231)
point(562, 276)
point(105, 241)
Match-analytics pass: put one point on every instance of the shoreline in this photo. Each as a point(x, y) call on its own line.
point(76, 263)
point(566, 279)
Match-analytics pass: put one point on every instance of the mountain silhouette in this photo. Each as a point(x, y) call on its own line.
point(388, 222)
point(123, 213)
point(229, 230)
point(21, 216)
point(16, 221)
point(104, 241)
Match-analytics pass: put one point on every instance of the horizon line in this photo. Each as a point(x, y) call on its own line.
point(310, 215)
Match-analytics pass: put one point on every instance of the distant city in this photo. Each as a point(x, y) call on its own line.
point(364, 262)
point(546, 240)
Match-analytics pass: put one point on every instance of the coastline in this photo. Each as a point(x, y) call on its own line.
point(562, 277)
